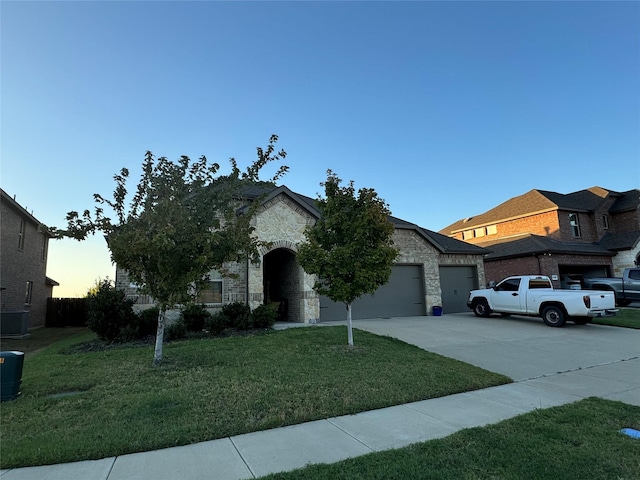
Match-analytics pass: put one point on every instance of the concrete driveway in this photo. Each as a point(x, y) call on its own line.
point(525, 349)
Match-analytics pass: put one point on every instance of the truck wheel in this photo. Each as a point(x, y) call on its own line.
point(581, 320)
point(481, 308)
point(622, 303)
point(553, 316)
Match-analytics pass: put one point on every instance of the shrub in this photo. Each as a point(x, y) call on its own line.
point(264, 316)
point(238, 315)
point(194, 317)
point(175, 331)
point(109, 311)
point(148, 321)
point(216, 323)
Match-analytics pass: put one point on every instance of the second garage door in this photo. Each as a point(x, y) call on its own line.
point(402, 296)
point(456, 282)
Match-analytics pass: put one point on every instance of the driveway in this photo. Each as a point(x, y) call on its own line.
point(525, 349)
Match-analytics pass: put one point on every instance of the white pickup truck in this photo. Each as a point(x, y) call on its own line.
point(533, 295)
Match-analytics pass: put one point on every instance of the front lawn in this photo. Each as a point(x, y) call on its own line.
point(79, 406)
point(581, 440)
point(626, 317)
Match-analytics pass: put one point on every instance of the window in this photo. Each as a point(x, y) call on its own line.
point(509, 285)
point(575, 225)
point(21, 234)
point(211, 292)
point(605, 222)
point(634, 274)
point(467, 234)
point(479, 232)
point(539, 283)
point(492, 230)
point(29, 293)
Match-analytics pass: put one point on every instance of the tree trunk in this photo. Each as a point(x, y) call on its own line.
point(157, 354)
point(349, 329)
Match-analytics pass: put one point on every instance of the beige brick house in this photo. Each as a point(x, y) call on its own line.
point(23, 265)
point(432, 270)
point(592, 232)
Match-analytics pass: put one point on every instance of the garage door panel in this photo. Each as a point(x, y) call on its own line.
point(455, 283)
point(401, 296)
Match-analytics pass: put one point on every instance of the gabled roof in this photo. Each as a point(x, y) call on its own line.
point(530, 203)
point(442, 243)
point(541, 201)
point(529, 244)
point(629, 200)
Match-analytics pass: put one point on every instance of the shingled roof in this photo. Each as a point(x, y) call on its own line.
point(529, 244)
point(442, 243)
point(540, 201)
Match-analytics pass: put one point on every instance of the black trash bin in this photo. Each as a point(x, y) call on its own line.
point(10, 374)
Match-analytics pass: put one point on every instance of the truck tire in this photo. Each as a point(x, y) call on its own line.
point(553, 316)
point(481, 308)
point(622, 303)
point(581, 320)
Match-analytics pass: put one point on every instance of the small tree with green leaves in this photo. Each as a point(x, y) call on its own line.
point(184, 220)
point(349, 248)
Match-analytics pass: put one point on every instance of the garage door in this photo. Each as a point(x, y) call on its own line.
point(456, 283)
point(401, 296)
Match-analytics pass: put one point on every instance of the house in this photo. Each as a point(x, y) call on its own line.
point(431, 270)
point(592, 232)
point(23, 265)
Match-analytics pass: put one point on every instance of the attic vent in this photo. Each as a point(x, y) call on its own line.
point(466, 219)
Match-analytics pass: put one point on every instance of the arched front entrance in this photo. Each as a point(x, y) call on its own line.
point(282, 280)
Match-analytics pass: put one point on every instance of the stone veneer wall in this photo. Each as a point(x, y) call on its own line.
point(281, 223)
point(416, 250)
point(625, 259)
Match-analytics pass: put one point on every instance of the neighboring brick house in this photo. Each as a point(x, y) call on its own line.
point(592, 232)
point(23, 265)
point(432, 269)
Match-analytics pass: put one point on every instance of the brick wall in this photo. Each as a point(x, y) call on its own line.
point(21, 265)
point(544, 224)
point(626, 221)
point(545, 264)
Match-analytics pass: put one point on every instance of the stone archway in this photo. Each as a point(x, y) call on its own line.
point(282, 283)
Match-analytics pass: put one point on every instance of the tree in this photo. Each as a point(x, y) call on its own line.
point(349, 248)
point(184, 220)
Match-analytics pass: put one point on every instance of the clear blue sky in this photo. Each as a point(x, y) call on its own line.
point(446, 109)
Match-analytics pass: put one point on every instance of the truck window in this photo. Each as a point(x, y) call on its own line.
point(539, 283)
point(509, 285)
point(634, 274)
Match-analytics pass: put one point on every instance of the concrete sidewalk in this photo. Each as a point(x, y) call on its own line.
point(551, 367)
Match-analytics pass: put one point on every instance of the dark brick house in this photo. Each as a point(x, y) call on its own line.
point(23, 265)
point(592, 232)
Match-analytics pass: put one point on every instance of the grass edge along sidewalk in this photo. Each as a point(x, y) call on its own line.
point(581, 440)
point(106, 403)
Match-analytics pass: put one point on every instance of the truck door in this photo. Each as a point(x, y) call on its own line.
point(507, 297)
point(632, 284)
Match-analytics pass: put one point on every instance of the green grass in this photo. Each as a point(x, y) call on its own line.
point(626, 317)
point(38, 339)
point(104, 403)
point(576, 441)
